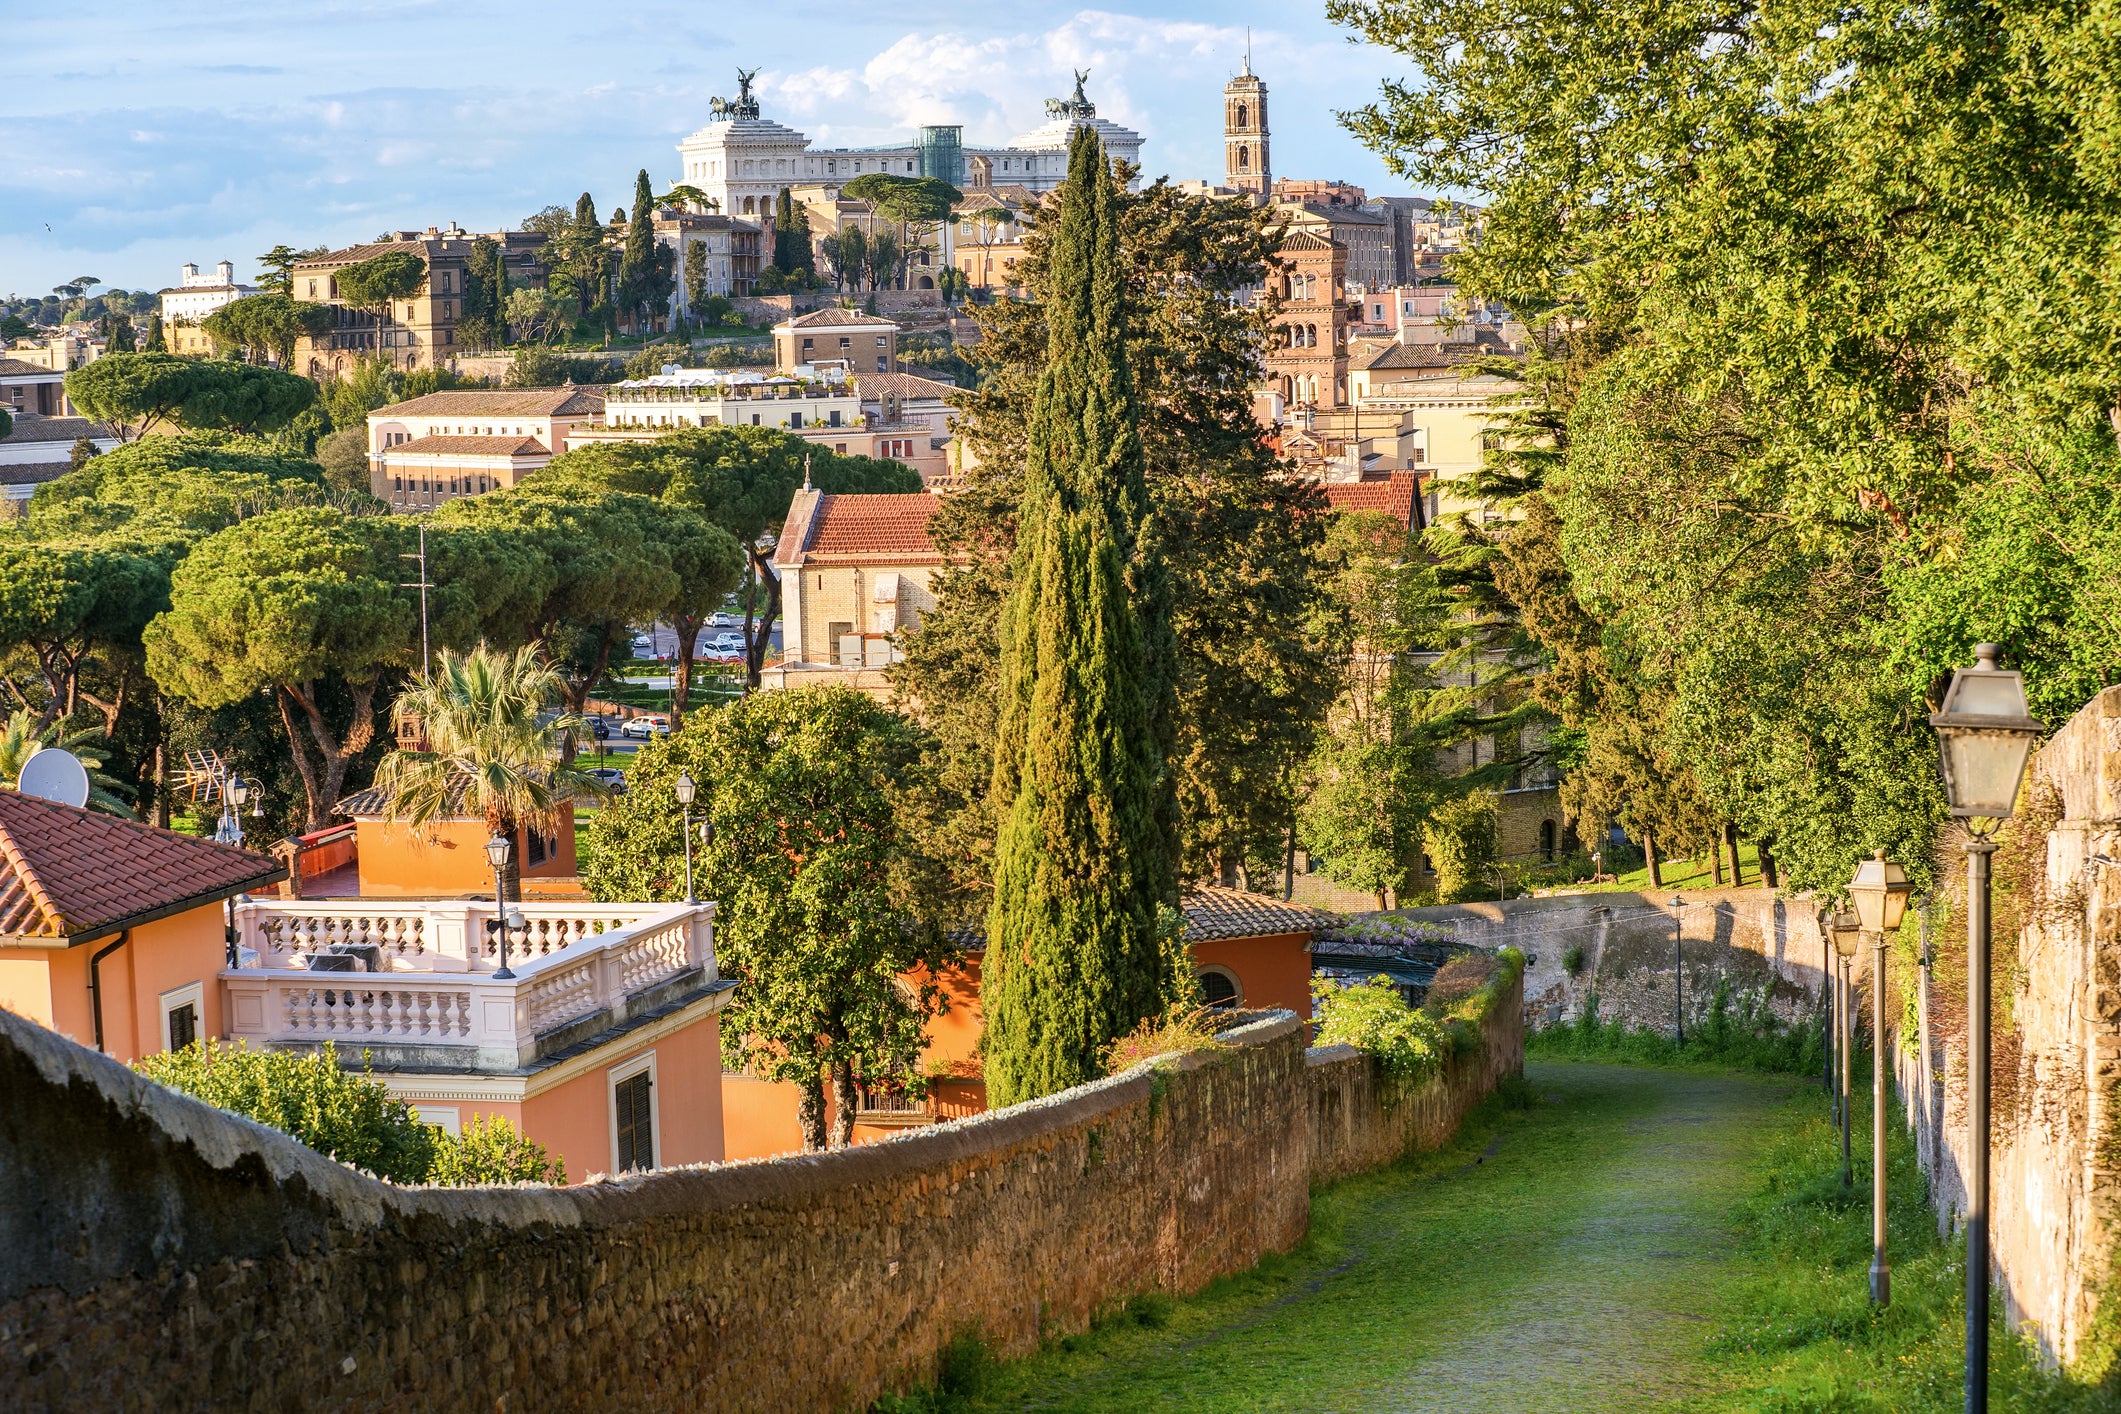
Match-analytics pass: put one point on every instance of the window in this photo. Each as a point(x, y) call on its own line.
point(633, 1115)
point(837, 634)
point(880, 341)
point(883, 365)
point(795, 419)
point(181, 1008)
point(1219, 987)
point(840, 447)
point(1546, 840)
point(535, 849)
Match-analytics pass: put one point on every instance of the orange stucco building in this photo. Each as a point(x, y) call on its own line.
point(446, 858)
point(112, 933)
point(1250, 951)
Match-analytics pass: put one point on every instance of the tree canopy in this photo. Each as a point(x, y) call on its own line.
point(139, 390)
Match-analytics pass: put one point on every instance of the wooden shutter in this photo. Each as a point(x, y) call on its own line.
point(183, 1026)
point(636, 1125)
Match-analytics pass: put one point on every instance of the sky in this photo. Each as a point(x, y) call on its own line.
point(144, 135)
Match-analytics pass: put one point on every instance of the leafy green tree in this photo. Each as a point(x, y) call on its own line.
point(279, 267)
point(646, 266)
point(741, 478)
point(708, 564)
point(481, 324)
point(279, 603)
point(344, 457)
point(63, 603)
point(490, 748)
point(269, 325)
point(817, 882)
point(847, 253)
point(1083, 864)
point(917, 205)
point(181, 488)
point(376, 284)
point(137, 391)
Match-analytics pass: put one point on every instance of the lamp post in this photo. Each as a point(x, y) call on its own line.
point(1984, 736)
point(687, 792)
point(235, 794)
point(1846, 930)
point(1880, 890)
point(498, 848)
point(1678, 969)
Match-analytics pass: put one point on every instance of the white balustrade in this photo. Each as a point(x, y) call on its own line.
point(436, 986)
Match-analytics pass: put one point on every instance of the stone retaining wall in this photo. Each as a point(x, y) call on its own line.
point(2055, 1145)
point(1752, 940)
point(158, 1253)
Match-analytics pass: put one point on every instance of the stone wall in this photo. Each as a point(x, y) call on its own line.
point(1757, 943)
point(2055, 1144)
point(1360, 1121)
point(154, 1250)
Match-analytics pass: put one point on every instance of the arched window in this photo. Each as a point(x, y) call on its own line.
point(1546, 840)
point(1219, 987)
point(1244, 159)
point(1241, 115)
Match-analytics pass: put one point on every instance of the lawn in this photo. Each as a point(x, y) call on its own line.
point(1625, 1238)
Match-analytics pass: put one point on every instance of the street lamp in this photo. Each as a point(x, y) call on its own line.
point(1846, 929)
point(687, 792)
point(1984, 736)
point(1678, 969)
point(498, 848)
point(1881, 891)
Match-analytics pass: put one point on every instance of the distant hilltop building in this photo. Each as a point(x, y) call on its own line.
point(195, 296)
point(742, 160)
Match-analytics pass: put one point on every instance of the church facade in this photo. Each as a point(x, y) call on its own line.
point(742, 159)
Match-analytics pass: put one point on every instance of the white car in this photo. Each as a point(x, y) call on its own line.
point(726, 645)
point(646, 727)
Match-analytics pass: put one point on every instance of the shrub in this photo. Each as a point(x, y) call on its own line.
point(1372, 1016)
point(1179, 1031)
point(492, 1151)
point(349, 1117)
point(1463, 976)
point(1572, 960)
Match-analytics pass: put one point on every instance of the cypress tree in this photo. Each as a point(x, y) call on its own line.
point(500, 291)
point(791, 235)
point(1084, 869)
point(637, 264)
point(155, 342)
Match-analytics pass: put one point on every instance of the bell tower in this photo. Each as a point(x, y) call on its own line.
point(1245, 132)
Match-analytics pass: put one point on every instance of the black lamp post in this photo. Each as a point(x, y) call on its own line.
point(1845, 931)
point(1984, 736)
point(1678, 969)
point(1880, 891)
point(498, 849)
point(687, 793)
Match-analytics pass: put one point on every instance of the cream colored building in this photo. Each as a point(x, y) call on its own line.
point(809, 397)
point(466, 442)
point(730, 251)
point(855, 573)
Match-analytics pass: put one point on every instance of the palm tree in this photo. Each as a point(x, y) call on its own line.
point(489, 748)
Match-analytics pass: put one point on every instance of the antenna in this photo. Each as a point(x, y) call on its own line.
point(423, 586)
point(53, 774)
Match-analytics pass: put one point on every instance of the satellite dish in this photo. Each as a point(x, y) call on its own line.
point(55, 775)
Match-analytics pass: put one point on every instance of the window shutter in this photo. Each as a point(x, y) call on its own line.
point(636, 1127)
point(183, 1026)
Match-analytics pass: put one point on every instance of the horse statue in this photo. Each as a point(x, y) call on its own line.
point(1056, 107)
point(717, 108)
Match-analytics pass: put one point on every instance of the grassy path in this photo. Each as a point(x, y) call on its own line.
point(1573, 1257)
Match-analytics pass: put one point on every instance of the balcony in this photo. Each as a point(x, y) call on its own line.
point(412, 981)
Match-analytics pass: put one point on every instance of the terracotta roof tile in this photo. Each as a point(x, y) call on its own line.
point(470, 447)
point(1213, 912)
point(16, 368)
point(499, 402)
point(837, 318)
point(887, 524)
point(67, 873)
point(1395, 497)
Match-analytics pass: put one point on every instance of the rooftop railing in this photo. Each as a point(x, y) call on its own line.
point(426, 986)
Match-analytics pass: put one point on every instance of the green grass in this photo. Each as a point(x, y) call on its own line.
point(1620, 1238)
point(1731, 1036)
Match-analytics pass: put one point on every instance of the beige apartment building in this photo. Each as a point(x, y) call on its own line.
point(466, 442)
point(728, 248)
point(417, 332)
point(855, 571)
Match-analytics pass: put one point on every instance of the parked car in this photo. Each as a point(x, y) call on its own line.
point(727, 645)
point(614, 780)
point(601, 727)
point(642, 728)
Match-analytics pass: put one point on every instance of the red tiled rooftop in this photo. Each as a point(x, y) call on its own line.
point(890, 524)
point(75, 874)
point(1395, 497)
point(440, 446)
